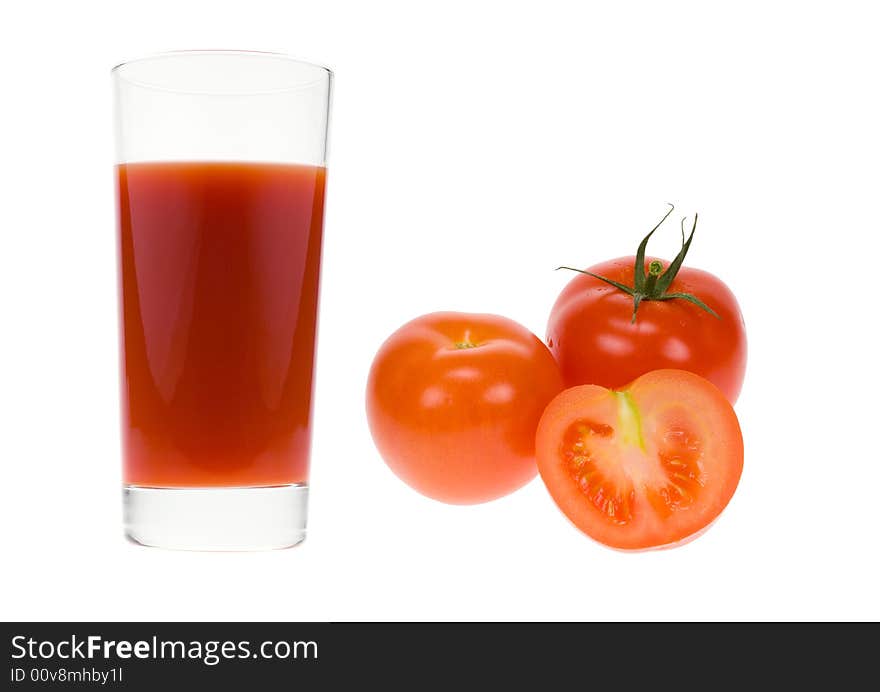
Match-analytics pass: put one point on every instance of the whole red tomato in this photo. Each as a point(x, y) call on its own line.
point(623, 318)
point(453, 402)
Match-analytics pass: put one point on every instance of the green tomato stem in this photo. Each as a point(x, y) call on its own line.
point(654, 284)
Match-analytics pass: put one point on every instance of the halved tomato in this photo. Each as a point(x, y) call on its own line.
point(651, 465)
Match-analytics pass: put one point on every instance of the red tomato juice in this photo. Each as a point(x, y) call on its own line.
point(218, 278)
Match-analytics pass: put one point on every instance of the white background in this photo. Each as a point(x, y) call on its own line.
point(474, 147)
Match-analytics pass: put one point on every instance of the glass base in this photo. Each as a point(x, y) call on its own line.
point(216, 518)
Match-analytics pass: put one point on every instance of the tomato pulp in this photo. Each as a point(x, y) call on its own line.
point(648, 466)
point(219, 268)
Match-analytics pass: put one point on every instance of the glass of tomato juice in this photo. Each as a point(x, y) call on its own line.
point(220, 174)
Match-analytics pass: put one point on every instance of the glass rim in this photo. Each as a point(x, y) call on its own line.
point(118, 71)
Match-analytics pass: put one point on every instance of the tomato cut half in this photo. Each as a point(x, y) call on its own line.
point(648, 466)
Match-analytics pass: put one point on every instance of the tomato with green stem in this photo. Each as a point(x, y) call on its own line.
point(620, 319)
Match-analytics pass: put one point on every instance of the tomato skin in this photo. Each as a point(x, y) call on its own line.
point(591, 334)
point(622, 489)
point(453, 401)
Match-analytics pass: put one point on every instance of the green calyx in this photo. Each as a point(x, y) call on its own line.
point(654, 283)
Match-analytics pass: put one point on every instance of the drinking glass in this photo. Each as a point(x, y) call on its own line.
point(220, 178)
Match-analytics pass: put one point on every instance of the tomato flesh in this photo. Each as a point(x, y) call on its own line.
point(612, 498)
point(649, 466)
